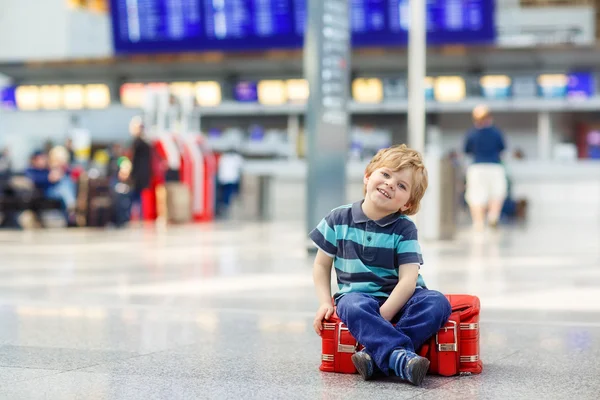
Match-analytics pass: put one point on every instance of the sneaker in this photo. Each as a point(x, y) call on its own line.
point(409, 366)
point(364, 364)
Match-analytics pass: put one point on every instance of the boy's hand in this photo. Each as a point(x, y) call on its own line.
point(55, 175)
point(386, 313)
point(324, 312)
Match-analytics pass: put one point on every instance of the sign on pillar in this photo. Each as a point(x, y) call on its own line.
point(327, 69)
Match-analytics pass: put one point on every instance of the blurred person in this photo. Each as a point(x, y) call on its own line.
point(62, 186)
point(69, 147)
point(486, 177)
point(52, 178)
point(377, 229)
point(121, 192)
point(519, 154)
point(38, 170)
point(5, 172)
point(5, 165)
point(48, 145)
point(229, 174)
point(141, 163)
point(115, 153)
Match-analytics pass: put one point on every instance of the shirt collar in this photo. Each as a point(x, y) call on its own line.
point(359, 216)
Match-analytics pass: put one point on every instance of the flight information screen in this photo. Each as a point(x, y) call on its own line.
point(448, 22)
point(142, 26)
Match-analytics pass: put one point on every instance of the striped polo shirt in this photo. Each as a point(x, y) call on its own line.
point(366, 254)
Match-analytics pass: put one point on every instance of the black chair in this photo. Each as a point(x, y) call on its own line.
point(18, 194)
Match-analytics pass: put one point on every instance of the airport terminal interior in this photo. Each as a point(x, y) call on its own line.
point(162, 163)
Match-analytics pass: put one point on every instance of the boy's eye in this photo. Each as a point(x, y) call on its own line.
point(385, 174)
point(401, 186)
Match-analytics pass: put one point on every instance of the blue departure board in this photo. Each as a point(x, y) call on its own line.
point(145, 26)
point(448, 22)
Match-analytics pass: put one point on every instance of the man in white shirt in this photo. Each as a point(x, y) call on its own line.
point(228, 176)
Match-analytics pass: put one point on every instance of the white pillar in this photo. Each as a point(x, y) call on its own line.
point(417, 49)
point(544, 136)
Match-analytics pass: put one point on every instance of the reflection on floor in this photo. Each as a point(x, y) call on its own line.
point(224, 311)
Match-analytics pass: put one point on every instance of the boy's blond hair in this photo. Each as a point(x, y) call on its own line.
point(398, 158)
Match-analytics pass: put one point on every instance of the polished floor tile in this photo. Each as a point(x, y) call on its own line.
point(224, 310)
point(10, 376)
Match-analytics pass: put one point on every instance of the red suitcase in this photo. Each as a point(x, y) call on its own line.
point(453, 350)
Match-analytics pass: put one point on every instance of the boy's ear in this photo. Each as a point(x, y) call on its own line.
point(405, 207)
point(366, 179)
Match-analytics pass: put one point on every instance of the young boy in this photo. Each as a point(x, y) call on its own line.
point(373, 246)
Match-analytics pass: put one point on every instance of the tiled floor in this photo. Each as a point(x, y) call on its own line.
point(224, 311)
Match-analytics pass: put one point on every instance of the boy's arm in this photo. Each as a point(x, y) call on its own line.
point(322, 280)
point(407, 282)
point(468, 144)
point(322, 277)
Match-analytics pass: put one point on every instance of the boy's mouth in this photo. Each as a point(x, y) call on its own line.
point(383, 192)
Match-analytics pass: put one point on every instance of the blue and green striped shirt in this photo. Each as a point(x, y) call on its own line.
point(366, 254)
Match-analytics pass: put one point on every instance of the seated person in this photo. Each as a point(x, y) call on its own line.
point(51, 176)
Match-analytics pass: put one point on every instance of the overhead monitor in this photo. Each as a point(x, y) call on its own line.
point(495, 86)
point(395, 89)
point(51, 97)
point(581, 85)
point(429, 88)
point(246, 91)
point(524, 85)
point(73, 97)
point(182, 88)
point(96, 96)
point(552, 85)
point(271, 92)
point(8, 98)
point(28, 97)
point(208, 94)
point(297, 90)
point(367, 90)
point(132, 95)
point(449, 89)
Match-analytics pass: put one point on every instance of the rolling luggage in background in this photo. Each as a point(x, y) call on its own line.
point(94, 202)
point(174, 202)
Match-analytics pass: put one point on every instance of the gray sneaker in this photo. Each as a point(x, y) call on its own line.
point(364, 364)
point(409, 366)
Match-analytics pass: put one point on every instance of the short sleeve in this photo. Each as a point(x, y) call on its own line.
point(324, 235)
point(408, 249)
point(469, 143)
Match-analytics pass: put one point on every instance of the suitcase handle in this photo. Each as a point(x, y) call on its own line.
point(345, 348)
point(448, 346)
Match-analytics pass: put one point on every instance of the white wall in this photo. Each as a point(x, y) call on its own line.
point(32, 29)
point(90, 34)
point(50, 30)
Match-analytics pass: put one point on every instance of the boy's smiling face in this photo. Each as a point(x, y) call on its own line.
point(389, 191)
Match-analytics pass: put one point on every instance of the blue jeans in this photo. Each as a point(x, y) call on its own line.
point(64, 190)
point(229, 191)
point(136, 203)
point(420, 318)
